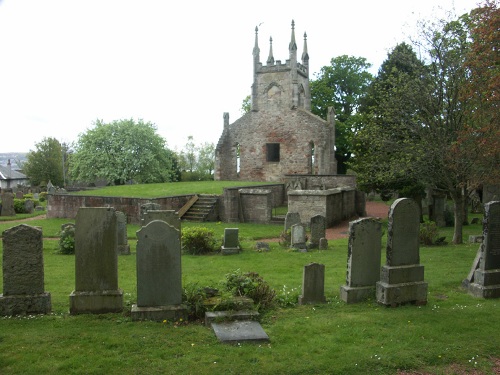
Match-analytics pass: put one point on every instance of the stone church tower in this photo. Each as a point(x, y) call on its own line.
point(279, 136)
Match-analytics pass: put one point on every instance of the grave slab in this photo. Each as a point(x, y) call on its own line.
point(240, 331)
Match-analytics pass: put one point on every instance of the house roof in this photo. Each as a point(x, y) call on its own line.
point(14, 175)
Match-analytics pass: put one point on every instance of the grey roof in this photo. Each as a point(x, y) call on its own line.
point(14, 175)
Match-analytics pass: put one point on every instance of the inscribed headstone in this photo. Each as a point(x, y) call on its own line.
point(323, 244)
point(363, 260)
point(313, 284)
point(159, 278)
point(487, 277)
point(168, 216)
point(298, 236)
point(96, 263)
point(231, 244)
point(7, 204)
point(402, 277)
point(318, 230)
point(23, 274)
point(291, 219)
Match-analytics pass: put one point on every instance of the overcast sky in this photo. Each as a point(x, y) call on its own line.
point(179, 65)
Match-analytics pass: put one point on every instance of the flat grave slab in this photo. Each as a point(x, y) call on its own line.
point(240, 331)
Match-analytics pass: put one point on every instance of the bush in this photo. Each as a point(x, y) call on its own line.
point(42, 196)
point(251, 285)
point(67, 240)
point(288, 297)
point(429, 234)
point(198, 240)
point(193, 297)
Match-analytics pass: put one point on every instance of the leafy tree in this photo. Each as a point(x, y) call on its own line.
point(123, 151)
point(45, 163)
point(206, 159)
point(341, 85)
point(197, 161)
point(246, 105)
point(187, 156)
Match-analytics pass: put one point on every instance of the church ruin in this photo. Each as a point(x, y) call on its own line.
point(279, 136)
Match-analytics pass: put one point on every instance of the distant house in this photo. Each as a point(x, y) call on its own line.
point(10, 178)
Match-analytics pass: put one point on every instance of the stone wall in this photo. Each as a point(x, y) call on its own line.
point(258, 205)
point(319, 182)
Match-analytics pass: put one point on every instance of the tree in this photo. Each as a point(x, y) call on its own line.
point(45, 163)
point(197, 161)
point(187, 156)
point(123, 151)
point(246, 105)
point(341, 85)
point(206, 160)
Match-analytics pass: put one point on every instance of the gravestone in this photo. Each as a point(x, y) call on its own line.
point(363, 260)
point(313, 284)
point(402, 277)
point(148, 207)
point(36, 196)
point(123, 247)
point(231, 242)
point(29, 206)
point(23, 276)
point(318, 230)
point(96, 263)
point(323, 244)
point(298, 237)
point(168, 216)
point(159, 277)
point(7, 198)
point(486, 282)
point(19, 195)
point(291, 219)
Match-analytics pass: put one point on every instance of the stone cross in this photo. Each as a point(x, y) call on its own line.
point(96, 263)
point(313, 284)
point(486, 282)
point(363, 260)
point(23, 275)
point(402, 277)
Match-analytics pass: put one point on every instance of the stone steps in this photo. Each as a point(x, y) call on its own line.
point(201, 209)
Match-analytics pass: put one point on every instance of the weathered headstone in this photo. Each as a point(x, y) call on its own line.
point(475, 238)
point(363, 260)
point(29, 206)
point(7, 204)
point(149, 207)
point(313, 284)
point(291, 219)
point(23, 275)
point(298, 237)
point(486, 282)
point(19, 195)
point(159, 277)
point(323, 244)
point(123, 247)
point(96, 263)
point(318, 230)
point(231, 244)
point(168, 216)
point(402, 277)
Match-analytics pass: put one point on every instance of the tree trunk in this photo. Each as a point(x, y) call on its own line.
point(458, 200)
point(466, 208)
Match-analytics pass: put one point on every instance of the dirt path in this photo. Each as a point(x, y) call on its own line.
point(39, 217)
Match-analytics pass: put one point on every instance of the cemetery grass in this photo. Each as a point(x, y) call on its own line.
point(453, 333)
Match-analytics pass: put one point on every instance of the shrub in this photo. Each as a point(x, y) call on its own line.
point(193, 296)
point(19, 206)
point(285, 238)
point(42, 196)
point(429, 234)
point(67, 240)
point(288, 297)
point(251, 285)
point(198, 240)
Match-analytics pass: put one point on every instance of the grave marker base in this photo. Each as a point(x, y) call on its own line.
point(486, 284)
point(351, 294)
point(101, 302)
point(159, 313)
point(25, 304)
point(398, 294)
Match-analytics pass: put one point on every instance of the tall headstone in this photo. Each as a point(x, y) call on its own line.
point(486, 282)
point(96, 263)
point(7, 198)
point(402, 277)
point(23, 275)
point(318, 230)
point(363, 260)
point(123, 247)
point(313, 284)
point(159, 277)
point(168, 216)
point(291, 219)
point(298, 237)
point(231, 244)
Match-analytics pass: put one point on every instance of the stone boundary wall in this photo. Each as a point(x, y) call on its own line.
point(319, 182)
point(66, 205)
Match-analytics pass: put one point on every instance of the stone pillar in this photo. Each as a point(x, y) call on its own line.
point(23, 275)
point(96, 263)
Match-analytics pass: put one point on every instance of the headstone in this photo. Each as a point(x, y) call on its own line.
point(123, 247)
point(262, 247)
point(487, 277)
point(149, 207)
point(313, 284)
point(318, 230)
point(23, 275)
point(291, 219)
point(240, 331)
point(159, 277)
point(7, 204)
point(168, 216)
point(96, 263)
point(29, 206)
point(323, 244)
point(475, 265)
point(231, 243)
point(402, 277)
point(19, 195)
point(298, 237)
point(363, 260)
point(475, 238)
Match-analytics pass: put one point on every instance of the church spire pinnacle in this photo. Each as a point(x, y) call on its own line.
point(305, 55)
point(256, 50)
point(270, 59)
point(293, 44)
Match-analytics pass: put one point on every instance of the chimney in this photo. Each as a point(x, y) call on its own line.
point(9, 169)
